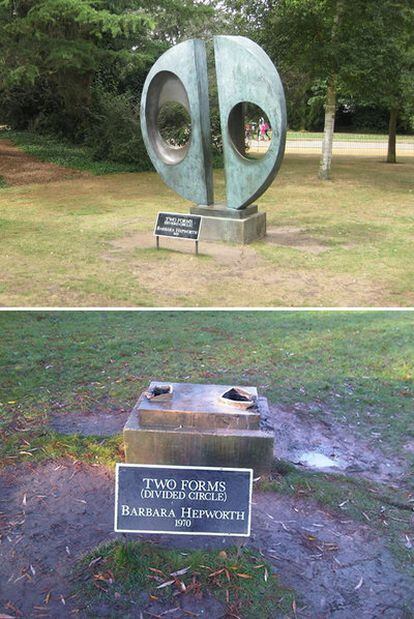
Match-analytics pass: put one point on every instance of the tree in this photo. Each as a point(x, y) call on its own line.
point(385, 76)
point(52, 50)
point(316, 36)
point(63, 43)
point(348, 47)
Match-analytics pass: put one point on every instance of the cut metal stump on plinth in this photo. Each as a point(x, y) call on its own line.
point(196, 426)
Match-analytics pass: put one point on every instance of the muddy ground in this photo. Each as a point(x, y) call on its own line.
point(54, 512)
point(19, 168)
point(327, 445)
point(300, 437)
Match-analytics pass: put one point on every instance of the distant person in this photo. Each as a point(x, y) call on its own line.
point(264, 128)
point(248, 132)
point(259, 128)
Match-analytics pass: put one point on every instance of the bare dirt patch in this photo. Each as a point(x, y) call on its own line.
point(341, 569)
point(90, 423)
point(246, 277)
point(53, 513)
point(296, 238)
point(299, 433)
point(227, 254)
point(19, 168)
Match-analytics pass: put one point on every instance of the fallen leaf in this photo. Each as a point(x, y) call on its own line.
point(166, 584)
point(12, 607)
point(243, 575)
point(216, 573)
point(359, 585)
point(95, 561)
point(184, 570)
point(153, 569)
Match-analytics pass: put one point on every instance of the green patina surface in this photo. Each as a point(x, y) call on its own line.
point(181, 75)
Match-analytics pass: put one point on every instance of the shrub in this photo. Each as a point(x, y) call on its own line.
point(115, 132)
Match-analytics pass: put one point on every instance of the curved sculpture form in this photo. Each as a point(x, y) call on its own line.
point(180, 75)
point(245, 73)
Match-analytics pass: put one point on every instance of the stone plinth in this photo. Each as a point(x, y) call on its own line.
point(194, 427)
point(240, 226)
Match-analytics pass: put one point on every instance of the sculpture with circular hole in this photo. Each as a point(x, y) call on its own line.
point(180, 75)
point(245, 74)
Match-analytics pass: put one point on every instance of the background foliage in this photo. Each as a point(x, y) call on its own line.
point(75, 68)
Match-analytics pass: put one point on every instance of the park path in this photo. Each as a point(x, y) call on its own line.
point(370, 148)
point(20, 168)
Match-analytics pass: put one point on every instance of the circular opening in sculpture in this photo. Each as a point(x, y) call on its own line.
point(174, 124)
point(250, 130)
point(167, 118)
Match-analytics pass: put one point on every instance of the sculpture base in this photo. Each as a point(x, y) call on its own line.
point(195, 428)
point(240, 226)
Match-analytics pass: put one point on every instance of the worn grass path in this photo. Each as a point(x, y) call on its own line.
point(88, 242)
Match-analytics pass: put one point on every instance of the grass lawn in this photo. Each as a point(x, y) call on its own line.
point(355, 368)
point(237, 577)
point(61, 152)
point(88, 242)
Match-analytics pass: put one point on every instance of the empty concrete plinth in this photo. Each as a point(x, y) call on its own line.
point(240, 226)
point(195, 427)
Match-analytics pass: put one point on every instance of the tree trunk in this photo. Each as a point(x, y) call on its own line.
point(392, 136)
point(330, 109)
point(330, 104)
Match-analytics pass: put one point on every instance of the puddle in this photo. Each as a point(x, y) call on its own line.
point(317, 460)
